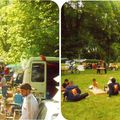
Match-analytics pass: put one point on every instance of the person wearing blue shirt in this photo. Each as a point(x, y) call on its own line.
point(17, 101)
point(73, 93)
point(114, 87)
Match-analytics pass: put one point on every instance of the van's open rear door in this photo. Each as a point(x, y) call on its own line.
point(38, 77)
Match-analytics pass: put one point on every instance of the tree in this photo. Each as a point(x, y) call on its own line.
point(91, 29)
point(28, 28)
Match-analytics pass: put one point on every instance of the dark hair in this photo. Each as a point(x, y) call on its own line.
point(113, 80)
point(26, 86)
point(2, 74)
point(94, 79)
point(66, 80)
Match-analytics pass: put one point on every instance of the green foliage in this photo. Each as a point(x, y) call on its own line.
point(28, 28)
point(90, 28)
point(116, 48)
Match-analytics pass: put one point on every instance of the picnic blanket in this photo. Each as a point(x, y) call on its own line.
point(97, 91)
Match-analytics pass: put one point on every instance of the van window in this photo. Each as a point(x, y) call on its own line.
point(37, 72)
point(19, 78)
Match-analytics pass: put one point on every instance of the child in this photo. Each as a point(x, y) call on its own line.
point(95, 83)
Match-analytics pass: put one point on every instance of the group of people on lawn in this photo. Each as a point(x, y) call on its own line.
point(112, 87)
point(72, 92)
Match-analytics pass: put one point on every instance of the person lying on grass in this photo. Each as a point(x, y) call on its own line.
point(73, 93)
point(114, 87)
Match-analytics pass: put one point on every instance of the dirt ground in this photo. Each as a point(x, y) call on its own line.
point(2, 116)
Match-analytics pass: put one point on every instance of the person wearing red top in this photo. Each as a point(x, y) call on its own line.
point(6, 70)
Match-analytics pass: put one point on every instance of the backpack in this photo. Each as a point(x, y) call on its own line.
point(75, 91)
point(116, 88)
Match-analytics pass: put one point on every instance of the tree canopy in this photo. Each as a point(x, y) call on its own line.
point(91, 30)
point(28, 28)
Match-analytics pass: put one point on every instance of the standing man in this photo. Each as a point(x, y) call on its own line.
point(30, 105)
point(4, 86)
point(105, 67)
point(98, 67)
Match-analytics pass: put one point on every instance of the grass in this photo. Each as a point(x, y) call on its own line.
point(94, 107)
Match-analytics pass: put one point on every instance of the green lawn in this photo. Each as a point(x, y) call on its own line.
point(94, 107)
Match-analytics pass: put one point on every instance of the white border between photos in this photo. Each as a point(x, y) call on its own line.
point(60, 4)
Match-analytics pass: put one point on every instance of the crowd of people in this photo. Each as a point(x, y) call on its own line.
point(26, 102)
point(23, 99)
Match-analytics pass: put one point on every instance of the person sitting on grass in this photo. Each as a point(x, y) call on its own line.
point(94, 84)
point(73, 93)
point(64, 85)
point(106, 89)
point(114, 87)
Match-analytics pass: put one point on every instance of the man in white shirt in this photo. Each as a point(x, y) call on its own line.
point(30, 105)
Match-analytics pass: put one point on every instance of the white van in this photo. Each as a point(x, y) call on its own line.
point(39, 72)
